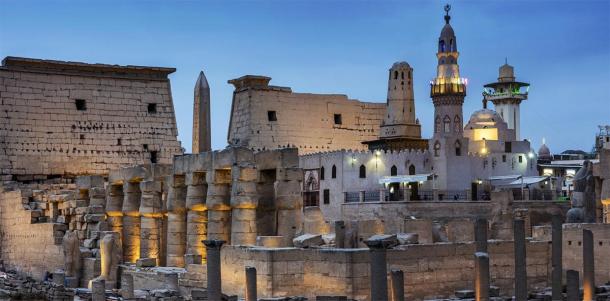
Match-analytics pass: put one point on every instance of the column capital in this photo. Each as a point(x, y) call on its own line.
point(378, 244)
point(213, 243)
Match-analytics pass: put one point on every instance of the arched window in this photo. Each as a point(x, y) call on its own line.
point(437, 124)
point(458, 148)
point(402, 75)
point(451, 47)
point(393, 171)
point(437, 148)
point(333, 172)
point(441, 46)
point(362, 172)
point(395, 74)
point(457, 124)
point(322, 173)
point(447, 124)
point(412, 169)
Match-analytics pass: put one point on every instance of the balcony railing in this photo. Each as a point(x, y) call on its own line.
point(499, 95)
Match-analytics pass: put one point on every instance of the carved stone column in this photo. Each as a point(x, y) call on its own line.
point(557, 273)
point(196, 225)
point(588, 266)
point(379, 270)
point(131, 221)
point(398, 285)
point(520, 265)
point(176, 217)
point(289, 203)
point(481, 281)
point(244, 200)
point(214, 269)
point(150, 220)
point(218, 204)
point(251, 284)
point(114, 208)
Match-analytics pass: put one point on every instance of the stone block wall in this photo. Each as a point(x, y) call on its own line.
point(431, 270)
point(572, 249)
point(61, 118)
point(302, 120)
point(28, 245)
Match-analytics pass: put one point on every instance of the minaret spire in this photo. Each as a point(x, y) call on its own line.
point(447, 16)
point(201, 116)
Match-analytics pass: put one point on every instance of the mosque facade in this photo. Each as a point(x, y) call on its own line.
point(459, 162)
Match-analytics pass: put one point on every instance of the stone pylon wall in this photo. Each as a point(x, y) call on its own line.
point(46, 133)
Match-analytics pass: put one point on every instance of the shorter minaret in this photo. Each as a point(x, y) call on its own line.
point(399, 128)
point(506, 95)
point(201, 116)
point(399, 120)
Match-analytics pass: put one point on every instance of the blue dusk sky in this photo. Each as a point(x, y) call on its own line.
point(561, 47)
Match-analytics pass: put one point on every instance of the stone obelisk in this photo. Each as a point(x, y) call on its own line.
point(201, 116)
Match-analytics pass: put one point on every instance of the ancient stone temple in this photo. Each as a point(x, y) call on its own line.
point(316, 197)
point(69, 118)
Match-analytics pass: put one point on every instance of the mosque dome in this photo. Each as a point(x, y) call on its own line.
point(486, 124)
point(544, 153)
point(485, 118)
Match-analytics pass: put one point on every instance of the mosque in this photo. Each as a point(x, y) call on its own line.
point(459, 162)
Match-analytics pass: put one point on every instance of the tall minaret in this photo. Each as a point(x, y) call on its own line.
point(400, 119)
point(448, 146)
point(448, 90)
point(506, 95)
point(201, 116)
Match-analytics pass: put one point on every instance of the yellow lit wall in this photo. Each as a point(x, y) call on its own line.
point(487, 134)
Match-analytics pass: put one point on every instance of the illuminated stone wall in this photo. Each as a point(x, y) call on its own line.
point(61, 118)
point(302, 120)
point(572, 249)
point(27, 247)
point(431, 270)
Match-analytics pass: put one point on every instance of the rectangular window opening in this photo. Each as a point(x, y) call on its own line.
point(153, 157)
point(271, 116)
point(81, 104)
point(338, 119)
point(152, 108)
point(326, 196)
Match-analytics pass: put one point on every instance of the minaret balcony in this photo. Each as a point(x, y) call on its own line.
point(437, 89)
point(504, 95)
